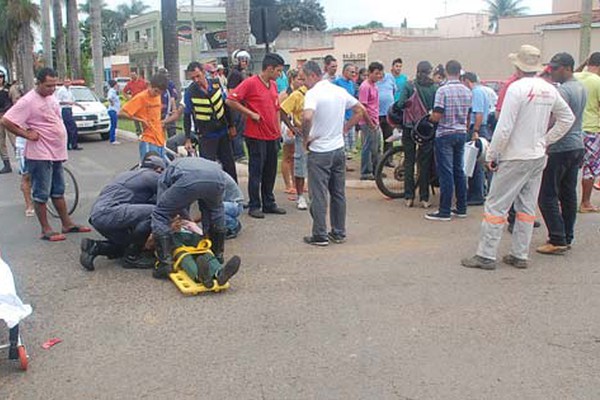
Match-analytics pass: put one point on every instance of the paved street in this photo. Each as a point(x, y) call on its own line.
point(388, 315)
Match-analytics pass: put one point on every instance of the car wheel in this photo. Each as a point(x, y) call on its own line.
point(104, 135)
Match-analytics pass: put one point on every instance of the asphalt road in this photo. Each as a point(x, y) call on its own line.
point(388, 315)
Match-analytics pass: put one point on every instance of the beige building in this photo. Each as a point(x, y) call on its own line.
point(564, 35)
point(561, 6)
point(463, 25)
point(527, 23)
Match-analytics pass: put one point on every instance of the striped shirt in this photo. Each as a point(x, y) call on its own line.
point(453, 100)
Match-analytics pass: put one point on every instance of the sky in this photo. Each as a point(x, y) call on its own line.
point(419, 13)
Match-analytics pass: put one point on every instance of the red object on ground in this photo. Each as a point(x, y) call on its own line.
point(50, 343)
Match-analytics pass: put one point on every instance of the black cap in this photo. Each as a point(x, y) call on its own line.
point(562, 60)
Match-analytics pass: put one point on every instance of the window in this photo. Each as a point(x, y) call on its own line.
point(137, 36)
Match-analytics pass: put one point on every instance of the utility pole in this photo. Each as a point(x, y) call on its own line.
point(586, 30)
point(194, 39)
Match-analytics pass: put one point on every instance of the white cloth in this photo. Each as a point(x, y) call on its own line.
point(329, 103)
point(522, 130)
point(12, 309)
point(64, 94)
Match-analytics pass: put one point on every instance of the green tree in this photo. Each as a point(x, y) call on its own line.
point(370, 25)
point(135, 7)
point(16, 36)
point(303, 14)
point(504, 8)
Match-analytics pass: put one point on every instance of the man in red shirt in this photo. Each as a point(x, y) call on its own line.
point(134, 86)
point(256, 98)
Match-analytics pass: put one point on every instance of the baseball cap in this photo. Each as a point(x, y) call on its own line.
point(562, 60)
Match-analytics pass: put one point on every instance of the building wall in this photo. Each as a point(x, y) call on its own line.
point(555, 41)
point(463, 25)
point(526, 24)
point(486, 56)
point(559, 6)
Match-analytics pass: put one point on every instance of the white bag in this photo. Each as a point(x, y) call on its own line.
point(12, 309)
point(470, 159)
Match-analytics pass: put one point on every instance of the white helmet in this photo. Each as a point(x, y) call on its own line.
point(482, 145)
point(239, 54)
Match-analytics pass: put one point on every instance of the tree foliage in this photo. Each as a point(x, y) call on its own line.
point(370, 25)
point(303, 14)
point(504, 8)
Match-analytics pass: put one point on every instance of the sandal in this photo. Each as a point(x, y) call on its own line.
point(290, 191)
point(77, 229)
point(589, 210)
point(53, 237)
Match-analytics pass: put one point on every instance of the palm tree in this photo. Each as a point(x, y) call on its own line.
point(135, 7)
point(170, 40)
point(73, 43)
point(96, 29)
point(238, 24)
point(46, 32)
point(504, 8)
point(59, 38)
point(16, 36)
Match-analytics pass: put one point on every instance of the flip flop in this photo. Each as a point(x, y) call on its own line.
point(290, 191)
point(78, 229)
point(53, 237)
point(597, 185)
point(589, 210)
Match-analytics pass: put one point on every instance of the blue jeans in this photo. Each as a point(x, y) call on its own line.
point(449, 153)
point(369, 154)
point(70, 126)
point(237, 143)
point(146, 147)
point(113, 126)
point(350, 140)
point(475, 193)
point(232, 213)
point(47, 179)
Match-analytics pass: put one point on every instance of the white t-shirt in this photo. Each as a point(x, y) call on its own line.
point(329, 102)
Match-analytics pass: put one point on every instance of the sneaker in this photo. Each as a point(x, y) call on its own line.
point(115, 142)
point(409, 203)
point(316, 241)
point(479, 262)
point(335, 238)
point(229, 270)
point(436, 216)
point(515, 262)
point(456, 214)
point(551, 249)
point(301, 203)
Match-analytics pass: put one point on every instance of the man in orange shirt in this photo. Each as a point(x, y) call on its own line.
point(135, 86)
point(145, 109)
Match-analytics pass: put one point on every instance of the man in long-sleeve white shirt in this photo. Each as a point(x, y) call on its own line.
point(517, 155)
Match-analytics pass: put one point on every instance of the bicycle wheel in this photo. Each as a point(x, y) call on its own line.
point(389, 174)
point(71, 194)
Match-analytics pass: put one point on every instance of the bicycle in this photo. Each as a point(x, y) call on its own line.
point(71, 194)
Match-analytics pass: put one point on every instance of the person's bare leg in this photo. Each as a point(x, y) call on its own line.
point(299, 185)
point(587, 185)
point(26, 189)
point(42, 215)
point(287, 166)
point(61, 207)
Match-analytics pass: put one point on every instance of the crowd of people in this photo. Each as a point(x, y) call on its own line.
point(533, 138)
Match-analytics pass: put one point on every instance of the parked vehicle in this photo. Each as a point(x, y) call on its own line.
point(94, 119)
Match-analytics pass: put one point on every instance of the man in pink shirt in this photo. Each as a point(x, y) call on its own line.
point(368, 95)
point(37, 118)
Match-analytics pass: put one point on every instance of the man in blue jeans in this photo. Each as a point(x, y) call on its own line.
point(450, 112)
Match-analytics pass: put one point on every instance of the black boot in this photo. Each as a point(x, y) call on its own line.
point(135, 258)
point(204, 276)
point(164, 265)
point(7, 168)
point(217, 237)
point(229, 270)
point(90, 249)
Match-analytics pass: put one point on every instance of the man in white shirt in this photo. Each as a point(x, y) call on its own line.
point(67, 101)
point(323, 128)
point(517, 155)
